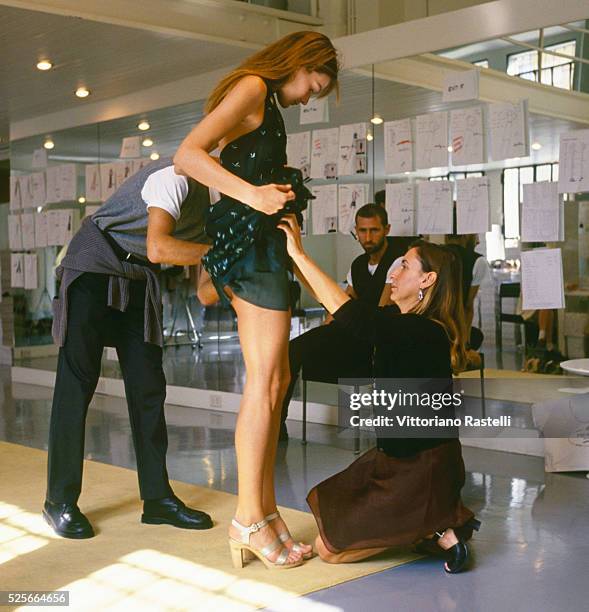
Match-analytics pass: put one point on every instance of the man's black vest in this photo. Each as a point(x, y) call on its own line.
point(467, 259)
point(368, 286)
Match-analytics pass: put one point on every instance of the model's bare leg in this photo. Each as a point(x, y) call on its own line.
point(205, 290)
point(269, 498)
point(263, 335)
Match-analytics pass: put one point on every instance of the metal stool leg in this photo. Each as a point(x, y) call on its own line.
point(192, 331)
point(356, 430)
point(304, 441)
point(483, 383)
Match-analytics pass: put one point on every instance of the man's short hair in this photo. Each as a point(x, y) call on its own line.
point(369, 211)
point(380, 197)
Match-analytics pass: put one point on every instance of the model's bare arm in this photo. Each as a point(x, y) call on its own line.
point(240, 111)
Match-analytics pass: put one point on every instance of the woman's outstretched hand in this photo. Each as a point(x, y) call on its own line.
point(272, 198)
point(294, 244)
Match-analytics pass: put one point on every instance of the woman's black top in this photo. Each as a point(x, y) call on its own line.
point(406, 346)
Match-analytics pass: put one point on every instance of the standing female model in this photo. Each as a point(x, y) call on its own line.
point(248, 263)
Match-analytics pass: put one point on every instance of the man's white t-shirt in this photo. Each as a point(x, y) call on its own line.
point(480, 272)
point(372, 270)
point(168, 190)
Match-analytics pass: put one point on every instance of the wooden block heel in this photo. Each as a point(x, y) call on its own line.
point(242, 550)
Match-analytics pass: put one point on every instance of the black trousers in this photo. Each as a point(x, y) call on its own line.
point(327, 353)
point(92, 325)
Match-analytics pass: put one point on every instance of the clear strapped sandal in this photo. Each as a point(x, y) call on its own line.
point(285, 536)
point(242, 550)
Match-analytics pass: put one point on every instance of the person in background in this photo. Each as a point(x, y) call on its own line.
point(380, 198)
point(475, 271)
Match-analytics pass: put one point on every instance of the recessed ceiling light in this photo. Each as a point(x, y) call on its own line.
point(536, 146)
point(450, 149)
point(49, 144)
point(369, 136)
point(377, 120)
point(44, 65)
point(154, 156)
point(143, 125)
point(147, 142)
point(82, 200)
point(82, 92)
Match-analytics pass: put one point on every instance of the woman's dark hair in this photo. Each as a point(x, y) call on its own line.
point(442, 301)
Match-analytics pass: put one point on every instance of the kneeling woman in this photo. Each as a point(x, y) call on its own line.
point(407, 490)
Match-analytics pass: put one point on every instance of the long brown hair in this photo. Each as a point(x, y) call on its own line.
point(279, 62)
point(442, 301)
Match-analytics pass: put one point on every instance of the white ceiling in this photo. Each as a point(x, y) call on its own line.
point(110, 60)
point(170, 125)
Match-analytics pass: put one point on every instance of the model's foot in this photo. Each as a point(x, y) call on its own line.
point(173, 511)
point(265, 537)
point(280, 528)
point(67, 521)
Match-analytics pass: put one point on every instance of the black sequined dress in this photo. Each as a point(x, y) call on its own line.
point(249, 252)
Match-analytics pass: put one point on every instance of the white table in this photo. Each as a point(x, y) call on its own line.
point(576, 366)
point(560, 449)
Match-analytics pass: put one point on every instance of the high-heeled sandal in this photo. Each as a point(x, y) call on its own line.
point(457, 555)
point(285, 536)
point(242, 550)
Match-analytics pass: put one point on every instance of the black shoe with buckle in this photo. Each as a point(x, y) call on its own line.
point(67, 521)
point(172, 511)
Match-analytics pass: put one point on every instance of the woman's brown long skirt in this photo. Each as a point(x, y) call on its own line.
point(382, 501)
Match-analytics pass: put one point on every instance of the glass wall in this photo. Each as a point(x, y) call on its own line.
point(382, 135)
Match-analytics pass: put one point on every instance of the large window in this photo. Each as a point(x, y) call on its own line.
point(513, 181)
point(556, 71)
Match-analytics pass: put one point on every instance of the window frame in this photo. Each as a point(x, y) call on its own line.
point(536, 72)
point(534, 168)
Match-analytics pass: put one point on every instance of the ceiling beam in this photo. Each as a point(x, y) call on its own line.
point(478, 23)
point(221, 21)
point(487, 21)
point(428, 70)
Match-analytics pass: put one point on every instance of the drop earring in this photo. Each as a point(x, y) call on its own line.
point(420, 295)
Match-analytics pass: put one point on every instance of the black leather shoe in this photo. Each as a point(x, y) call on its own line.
point(283, 433)
point(456, 556)
point(172, 511)
point(67, 521)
